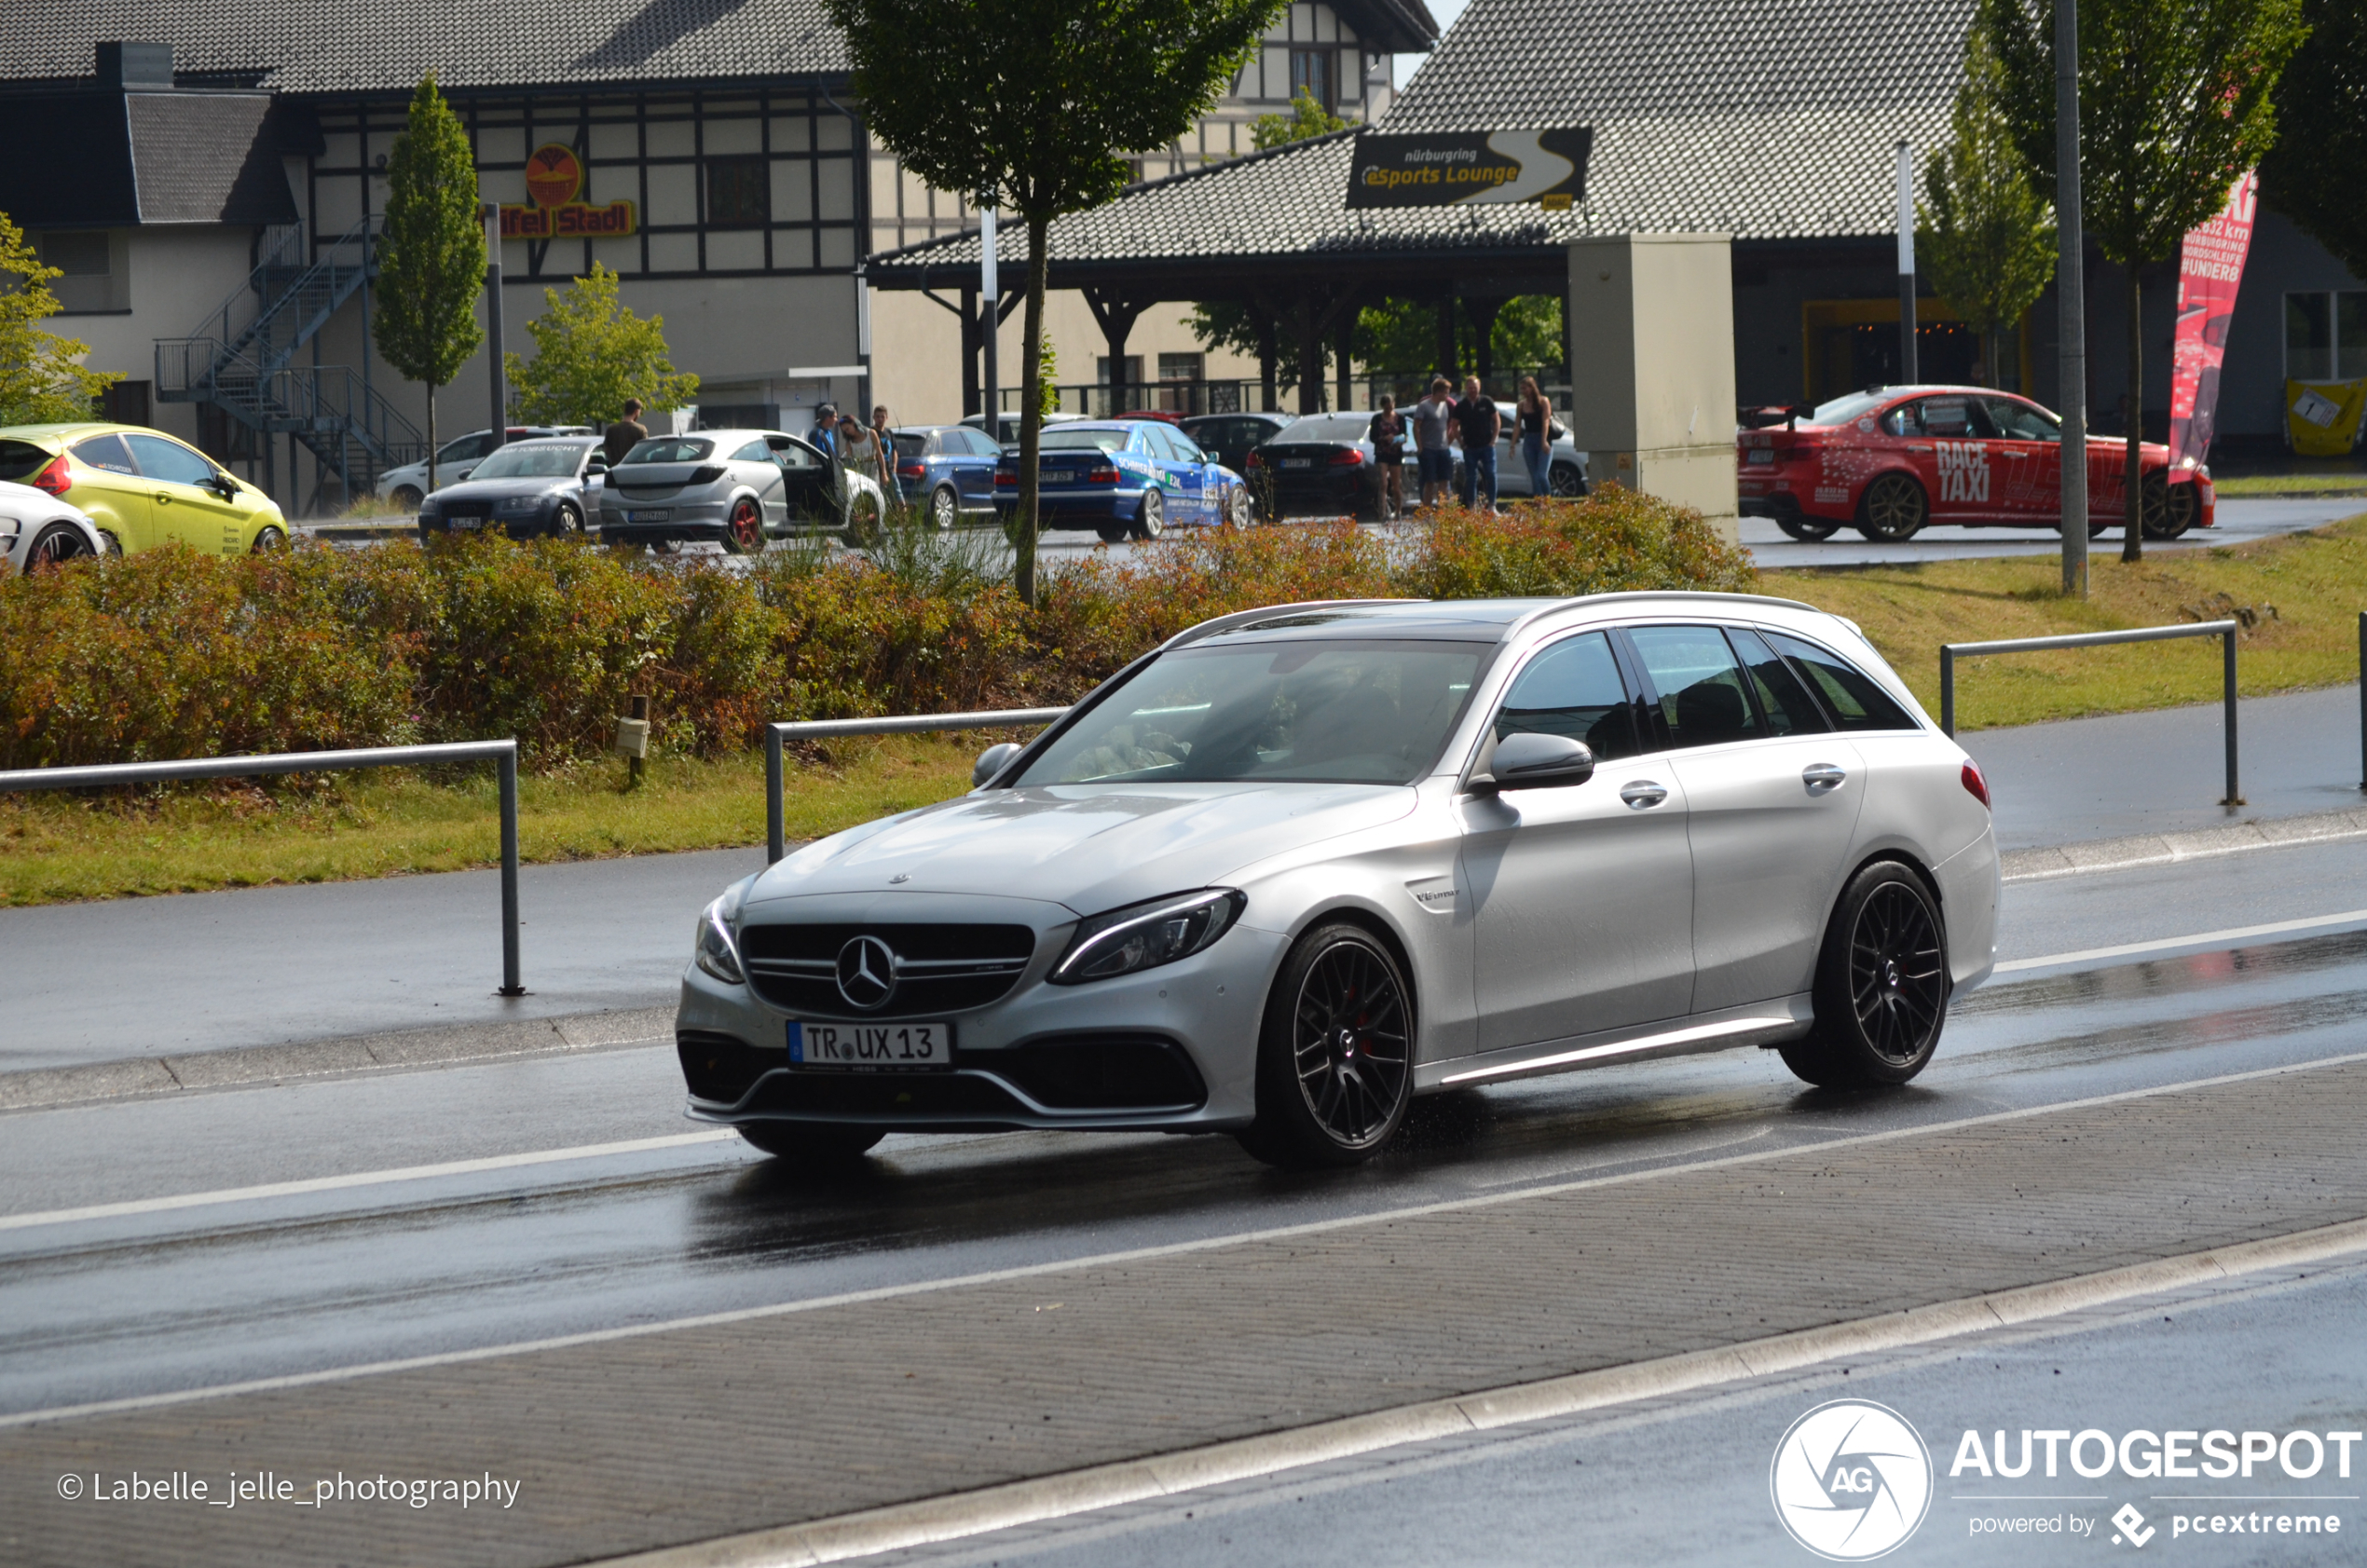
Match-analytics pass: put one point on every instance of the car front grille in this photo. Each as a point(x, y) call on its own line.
point(939, 968)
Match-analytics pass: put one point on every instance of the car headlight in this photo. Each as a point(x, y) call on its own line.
point(714, 950)
point(1146, 935)
point(517, 505)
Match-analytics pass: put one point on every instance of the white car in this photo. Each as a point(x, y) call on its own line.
point(38, 529)
point(455, 460)
point(1568, 470)
point(1302, 864)
point(736, 487)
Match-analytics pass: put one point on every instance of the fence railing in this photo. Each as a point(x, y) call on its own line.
point(502, 753)
point(775, 830)
point(2226, 630)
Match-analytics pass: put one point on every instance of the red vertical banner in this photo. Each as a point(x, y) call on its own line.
point(2211, 268)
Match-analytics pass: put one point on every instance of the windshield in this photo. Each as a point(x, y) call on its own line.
point(532, 461)
point(1843, 409)
point(670, 449)
point(1334, 712)
point(1082, 441)
point(1327, 427)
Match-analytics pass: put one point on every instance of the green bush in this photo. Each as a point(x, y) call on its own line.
point(169, 653)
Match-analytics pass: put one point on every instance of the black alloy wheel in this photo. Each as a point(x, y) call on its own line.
point(1809, 530)
point(1336, 1058)
point(1881, 984)
point(812, 1145)
point(1151, 521)
point(1894, 509)
point(945, 508)
point(744, 530)
point(54, 546)
point(567, 523)
point(2171, 509)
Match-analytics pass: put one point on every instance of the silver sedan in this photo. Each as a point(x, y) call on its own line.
point(1303, 864)
point(736, 487)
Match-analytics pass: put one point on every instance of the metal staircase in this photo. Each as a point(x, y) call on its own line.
point(241, 359)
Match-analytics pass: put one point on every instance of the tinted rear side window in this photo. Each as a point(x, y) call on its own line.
point(1573, 688)
point(1849, 694)
point(1699, 683)
point(105, 452)
point(1787, 704)
point(20, 460)
point(669, 449)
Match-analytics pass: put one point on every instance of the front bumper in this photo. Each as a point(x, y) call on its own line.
point(1171, 1049)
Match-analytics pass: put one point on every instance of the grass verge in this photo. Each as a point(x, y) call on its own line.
point(2332, 482)
point(2306, 591)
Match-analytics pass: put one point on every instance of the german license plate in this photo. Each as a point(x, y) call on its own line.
point(1762, 455)
point(1298, 462)
point(660, 515)
point(468, 522)
point(904, 1046)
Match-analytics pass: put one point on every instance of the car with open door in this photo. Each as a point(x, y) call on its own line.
point(738, 488)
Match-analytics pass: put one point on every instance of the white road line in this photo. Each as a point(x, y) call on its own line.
point(357, 1179)
point(1131, 1255)
point(2233, 934)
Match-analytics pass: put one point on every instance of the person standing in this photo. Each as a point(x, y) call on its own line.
point(860, 449)
point(825, 433)
point(1387, 434)
point(880, 427)
point(1479, 422)
point(1537, 437)
point(1431, 419)
point(625, 434)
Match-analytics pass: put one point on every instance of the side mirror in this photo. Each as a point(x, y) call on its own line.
point(990, 762)
point(1530, 761)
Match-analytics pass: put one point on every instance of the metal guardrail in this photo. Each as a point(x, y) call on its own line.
point(776, 832)
point(2226, 630)
point(502, 753)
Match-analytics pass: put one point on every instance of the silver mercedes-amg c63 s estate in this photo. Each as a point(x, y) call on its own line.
point(1300, 864)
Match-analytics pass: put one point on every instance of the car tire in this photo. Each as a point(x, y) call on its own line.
point(744, 529)
point(567, 523)
point(1570, 481)
point(271, 537)
point(1150, 522)
point(1809, 530)
point(407, 497)
point(109, 544)
point(1893, 510)
point(813, 1145)
point(2171, 509)
point(1237, 510)
point(1114, 533)
point(945, 509)
point(862, 522)
point(1882, 984)
point(54, 546)
point(1336, 1054)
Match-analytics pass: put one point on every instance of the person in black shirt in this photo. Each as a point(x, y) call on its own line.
point(1387, 434)
point(1479, 422)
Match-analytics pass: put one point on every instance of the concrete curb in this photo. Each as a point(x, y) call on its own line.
point(42, 1088)
point(2170, 849)
point(1001, 1507)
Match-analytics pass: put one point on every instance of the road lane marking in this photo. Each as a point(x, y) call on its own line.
point(357, 1179)
point(2233, 934)
point(1043, 1498)
point(1129, 1255)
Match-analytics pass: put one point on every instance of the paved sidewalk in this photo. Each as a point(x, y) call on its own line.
point(690, 1433)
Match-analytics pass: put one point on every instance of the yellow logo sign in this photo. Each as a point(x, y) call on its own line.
point(554, 178)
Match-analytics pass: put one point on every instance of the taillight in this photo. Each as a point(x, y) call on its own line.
point(704, 476)
point(1253, 461)
point(53, 479)
point(914, 471)
point(1348, 457)
point(1102, 475)
point(1974, 786)
point(1007, 477)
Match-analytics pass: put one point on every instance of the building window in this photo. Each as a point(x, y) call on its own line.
point(738, 193)
point(1311, 73)
point(1180, 367)
point(1133, 369)
point(2326, 335)
point(124, 402)
point(86, 257)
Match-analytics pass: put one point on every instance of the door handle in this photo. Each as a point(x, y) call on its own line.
point(1643, 794)
point(1917, 446)
point(1822, 777)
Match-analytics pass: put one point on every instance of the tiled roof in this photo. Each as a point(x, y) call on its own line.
point(1766, 119)
point(108, 159)
point(338, 46)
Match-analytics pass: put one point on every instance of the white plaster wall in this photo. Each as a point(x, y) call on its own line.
point(179, 275)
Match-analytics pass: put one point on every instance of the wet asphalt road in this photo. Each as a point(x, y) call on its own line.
point(400, 1263)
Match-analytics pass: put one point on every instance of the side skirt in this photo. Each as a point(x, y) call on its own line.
point(1759, 1023)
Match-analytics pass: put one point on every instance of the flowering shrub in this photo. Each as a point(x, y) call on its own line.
point(169, 653)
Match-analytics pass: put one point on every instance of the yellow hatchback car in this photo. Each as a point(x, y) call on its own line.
point(142, 488)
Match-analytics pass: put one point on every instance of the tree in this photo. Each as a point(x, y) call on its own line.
point(592, 352)
point(2311, 174)
point(1403, 335)
point(1307, 119)
point(1032, 102)
point(42, 378)
point(432, 259)
point(1987, 240)
point(2174, 102)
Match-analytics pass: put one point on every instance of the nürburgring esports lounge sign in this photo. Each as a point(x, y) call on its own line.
point(1474, 168)
point(554, 178)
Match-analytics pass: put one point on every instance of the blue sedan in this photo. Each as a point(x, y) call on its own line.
point(945, 471)
point(1122, 477)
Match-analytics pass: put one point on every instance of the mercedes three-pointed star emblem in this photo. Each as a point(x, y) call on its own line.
point(867, 973)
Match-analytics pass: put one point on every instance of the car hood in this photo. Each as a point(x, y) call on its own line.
point(499, 489)
point(1092, 847)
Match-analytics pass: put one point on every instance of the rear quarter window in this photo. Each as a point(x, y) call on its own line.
point(670, 449)
point(1854, 699)
point(20, 460)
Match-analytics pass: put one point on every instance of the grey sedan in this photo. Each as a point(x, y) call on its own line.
point(525, 487)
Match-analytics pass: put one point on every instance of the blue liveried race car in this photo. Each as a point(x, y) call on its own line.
point(1122, 477)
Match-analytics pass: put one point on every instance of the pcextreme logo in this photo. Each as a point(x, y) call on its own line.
point(1850, 1480)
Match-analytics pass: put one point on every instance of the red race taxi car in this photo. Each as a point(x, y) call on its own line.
point(1890, 460)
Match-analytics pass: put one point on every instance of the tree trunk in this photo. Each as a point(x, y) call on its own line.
point(1268, 355)
point(1031, 412)
point(2132, 544)
point(1996, 331)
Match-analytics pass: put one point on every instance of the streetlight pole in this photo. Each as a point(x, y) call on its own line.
point(1907, 372)
point(501, 387)
point(2071, 301)
point(990, 322)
